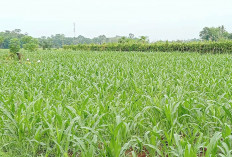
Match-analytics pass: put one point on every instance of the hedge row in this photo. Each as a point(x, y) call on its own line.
point(203, 47)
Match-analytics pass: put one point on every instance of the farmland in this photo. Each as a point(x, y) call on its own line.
point(86, 103)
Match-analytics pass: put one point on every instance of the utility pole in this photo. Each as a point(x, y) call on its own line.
point(74, 29)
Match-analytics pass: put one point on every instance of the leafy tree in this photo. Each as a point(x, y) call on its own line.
point(58, 40)
point(131, 39)
point(30, 43)
point(14, 45)
point(102, 39)
point(144, 39)
point(230, 36)
point(8, 35)
point(45, 43)
point(214, 33)
point(123, 40)
point(131, 36)
point(82, 40)
point(26, 39)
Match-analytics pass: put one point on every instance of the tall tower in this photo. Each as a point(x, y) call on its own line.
point(74, 29)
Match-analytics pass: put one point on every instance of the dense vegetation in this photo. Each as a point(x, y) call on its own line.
point(59, 40)
point(116, 104)
point(202, 47)
point(54, 41)
point(215, 34)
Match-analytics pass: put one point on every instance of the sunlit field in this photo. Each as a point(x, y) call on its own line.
point(115, 104)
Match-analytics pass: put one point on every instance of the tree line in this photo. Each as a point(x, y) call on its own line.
point(57, 41)
point(54, 41)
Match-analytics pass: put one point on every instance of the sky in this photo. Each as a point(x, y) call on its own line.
point(157, 19)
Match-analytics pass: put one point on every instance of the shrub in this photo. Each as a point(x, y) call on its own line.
point(30, 43)
point(14, 45)
point(31, 46)
point(202, 47)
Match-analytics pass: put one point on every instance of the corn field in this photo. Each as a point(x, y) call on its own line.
point(111, 104)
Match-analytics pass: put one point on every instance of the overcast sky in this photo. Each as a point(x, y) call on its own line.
point(158, 19)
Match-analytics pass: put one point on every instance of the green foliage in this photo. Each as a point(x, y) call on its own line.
point(214, 34)
point(59, 40)
point(111, 104)
point(202, 47)
point(132, 40)
point(31, 46)
point(8, 35)
point(26, 39)
point(30, 43)
point(1, 40)
point(144, 39)
point(45, 43)
point(14, 45)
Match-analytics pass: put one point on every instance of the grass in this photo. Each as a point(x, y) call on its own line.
point(116, 104)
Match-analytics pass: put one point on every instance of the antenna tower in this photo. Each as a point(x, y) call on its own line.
point(74, 29)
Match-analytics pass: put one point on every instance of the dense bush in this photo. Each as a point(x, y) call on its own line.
point(203, 47)
point(14, 45)
point(29, 43)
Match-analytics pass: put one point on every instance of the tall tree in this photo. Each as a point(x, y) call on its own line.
point(8, 35)
point(131, 36)
point(29, 43)
point(214, 33)
point(45, 43)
